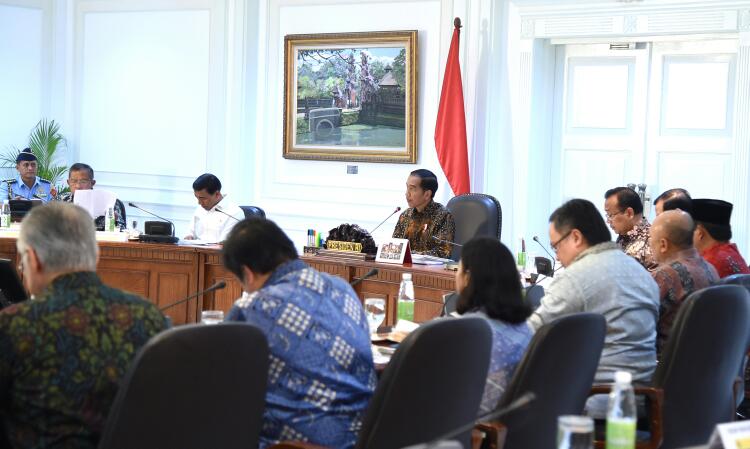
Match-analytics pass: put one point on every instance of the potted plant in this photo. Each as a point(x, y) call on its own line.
point(46, 143)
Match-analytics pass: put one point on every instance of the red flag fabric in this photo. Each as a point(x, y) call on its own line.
point(450, 129)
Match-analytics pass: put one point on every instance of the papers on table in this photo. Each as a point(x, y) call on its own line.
point(423, 259)
point(734, 435)
point(96, 202)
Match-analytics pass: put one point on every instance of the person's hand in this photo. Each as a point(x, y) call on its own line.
point(189, 237)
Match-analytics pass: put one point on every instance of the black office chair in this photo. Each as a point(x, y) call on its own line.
point(744, 375)
point(534, 295)
point(192, 387)
point(475, 214)
point(432, 385)
point(253, 211)
point(559, 368)
point(692, 387)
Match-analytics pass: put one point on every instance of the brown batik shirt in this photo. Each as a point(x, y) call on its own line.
point(420, 227)
point(636, 243)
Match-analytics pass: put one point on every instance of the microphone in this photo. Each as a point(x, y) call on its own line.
point(217, 286)
point(218, 209)
point(524, 400)
point(447, 241)
point(536, 239)
point(386, 219)
point(369, 274)
point(131, 204)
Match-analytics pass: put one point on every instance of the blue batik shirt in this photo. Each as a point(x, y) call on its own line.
point(19, 190)
point(321, 374)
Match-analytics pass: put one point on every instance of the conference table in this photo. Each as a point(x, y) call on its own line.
point(165, 274)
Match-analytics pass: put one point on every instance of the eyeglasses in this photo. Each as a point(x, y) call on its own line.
point(556, 245)
point(611, 217)
point(79, 181)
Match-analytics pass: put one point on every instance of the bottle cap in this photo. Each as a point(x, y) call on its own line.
point(406, 276)
point(623, 377)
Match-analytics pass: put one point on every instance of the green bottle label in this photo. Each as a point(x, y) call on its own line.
point(406, 310)
point(620, 433)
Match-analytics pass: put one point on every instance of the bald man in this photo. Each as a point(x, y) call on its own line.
point(680, 270)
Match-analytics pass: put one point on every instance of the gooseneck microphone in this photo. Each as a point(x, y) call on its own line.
point(447, 241)
point(536, 239)
point(217, 286)
point(524, 400)
point(386, 219)
point(219, 209)
point(369, 274)
point(151, 213)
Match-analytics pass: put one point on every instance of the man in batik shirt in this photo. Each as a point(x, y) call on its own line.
point(321, 373)
point(712, 235)
point(428, 225)
point(624, 211)
point(64, 353)
point(681, 270)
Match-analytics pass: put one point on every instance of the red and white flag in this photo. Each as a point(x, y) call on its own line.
point(450, 129)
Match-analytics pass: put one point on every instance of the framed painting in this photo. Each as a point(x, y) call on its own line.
point(351, 96)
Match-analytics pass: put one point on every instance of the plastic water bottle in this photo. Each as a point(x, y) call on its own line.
point(109, 220)
point(5, 215)
point(621, 413)
point(406, 298)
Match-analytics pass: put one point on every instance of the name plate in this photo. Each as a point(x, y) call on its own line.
point(344, 246)
point(394, 251)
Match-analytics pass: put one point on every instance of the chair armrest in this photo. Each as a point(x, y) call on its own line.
point(494, 434)
point(655, 398)
point(295, 445)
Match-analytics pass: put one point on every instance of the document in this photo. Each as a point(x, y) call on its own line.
point(96, 202)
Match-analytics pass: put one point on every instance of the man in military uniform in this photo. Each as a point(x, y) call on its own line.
point(27, 185)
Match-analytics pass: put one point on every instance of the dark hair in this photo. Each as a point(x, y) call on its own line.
point(207, 182)
point(675, 199)
point(80, 166)
point(626, 197)
point(718, 232)
point(494, 284)
point(256, 243)
point(582, 215)
point(428, 180)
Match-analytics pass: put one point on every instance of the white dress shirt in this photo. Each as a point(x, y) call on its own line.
point(212, 225)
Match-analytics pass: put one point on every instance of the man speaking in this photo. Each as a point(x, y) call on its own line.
point(425, 219)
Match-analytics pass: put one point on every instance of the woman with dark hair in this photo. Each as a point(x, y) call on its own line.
point(489, 285)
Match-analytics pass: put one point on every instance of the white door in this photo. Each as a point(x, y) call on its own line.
point(602, 130)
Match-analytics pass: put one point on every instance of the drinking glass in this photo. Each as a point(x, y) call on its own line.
point(575, 432)
point(375, 309)
point(212, 317)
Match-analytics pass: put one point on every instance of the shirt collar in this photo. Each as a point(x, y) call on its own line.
point(637, 229)
point(596, 249)
point(70, 281)
point(284, 269)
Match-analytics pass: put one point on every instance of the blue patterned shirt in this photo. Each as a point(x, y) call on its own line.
point(19, 190)
point(509, 343)
point(321, 374)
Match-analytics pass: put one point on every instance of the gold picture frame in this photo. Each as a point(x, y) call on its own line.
point(351, 96)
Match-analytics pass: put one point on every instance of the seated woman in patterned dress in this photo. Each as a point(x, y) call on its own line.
point(489, 286)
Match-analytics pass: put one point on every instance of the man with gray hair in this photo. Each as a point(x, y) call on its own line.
point(63, 353)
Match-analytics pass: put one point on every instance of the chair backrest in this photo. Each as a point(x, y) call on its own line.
point(736, 279)
point(475, 214)
point(253, 211)
point(559, 368)
point(744, 281)
point(432, 385)
point(192, 387)
point(700, 361)
point(534, 295)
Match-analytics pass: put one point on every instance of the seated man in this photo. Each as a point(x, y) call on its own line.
point(673, 199)
point(425, 219)
point(625, 216)
point(712, 235)
point(26, 185)
point(600, 278)
point(81, 177)
point(321, 375)
point(63, 354)
point(681, 270)
point(211, 220)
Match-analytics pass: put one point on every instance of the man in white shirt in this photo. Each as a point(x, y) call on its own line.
point(215, 215)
